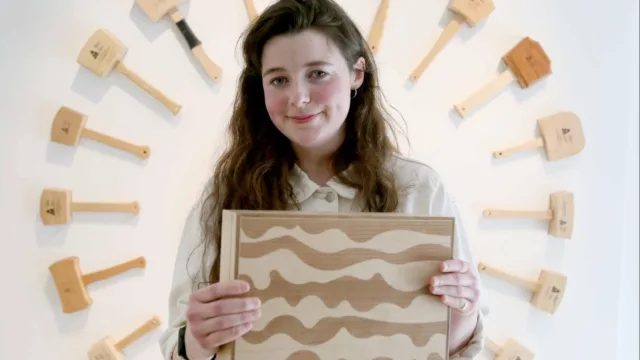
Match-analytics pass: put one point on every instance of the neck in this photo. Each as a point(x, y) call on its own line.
point(317, 163)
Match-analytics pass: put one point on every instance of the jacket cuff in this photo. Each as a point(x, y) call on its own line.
point(475, 344)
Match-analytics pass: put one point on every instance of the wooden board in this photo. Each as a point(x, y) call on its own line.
point(348, 285)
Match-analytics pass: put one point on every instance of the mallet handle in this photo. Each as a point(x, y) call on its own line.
point(449, 31)
point(151, 90)
point(137, 263)
point(531, 285)
point(529, 145)
point(140, 151)
point(517, 214)
point(151, 324)
point(486, 91)
point(251, 9)
point(131, 207)
point(375, 35)
point(211, 68)
point(492, 346)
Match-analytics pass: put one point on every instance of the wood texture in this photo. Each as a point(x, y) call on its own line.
point(528, 61)
point(57, 206)
point(473, 11)
point(347, 286)
point(108, 349)
point(377, 29)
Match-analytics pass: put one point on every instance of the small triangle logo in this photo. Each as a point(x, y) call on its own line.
point(565, 131)
point(51, 211)
point(94, 54)
point(563, 223)
point(555, 290)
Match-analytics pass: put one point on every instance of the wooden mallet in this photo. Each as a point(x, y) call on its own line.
point(251, 10)
point(377, 29)
point(561, 136)
point(527, 63)
point(511, 350)
point(108, 349)
point(57, 206)
point(103, 52)
point(157, 9)
point(71, 284)
point(70, 125)
point(560, 214)
point(548, 291)
point(473, 12)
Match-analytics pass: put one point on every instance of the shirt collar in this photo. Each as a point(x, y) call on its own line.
point(304, 187)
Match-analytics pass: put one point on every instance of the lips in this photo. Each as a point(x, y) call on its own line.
point(301, 119)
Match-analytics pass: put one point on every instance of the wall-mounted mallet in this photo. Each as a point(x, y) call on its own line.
point(108, 349)
point(103, 52)
point(560, 214)
point(251, 10)
point(71, 284)
point(527, 63)
point(157, 9)
point(561, 136)
point(548, 291)
point(69, 126)
point(377, 29)
point(57, 206)
point(472, 12)
point(511, 350)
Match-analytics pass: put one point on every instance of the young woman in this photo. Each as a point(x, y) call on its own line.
point(307, 133)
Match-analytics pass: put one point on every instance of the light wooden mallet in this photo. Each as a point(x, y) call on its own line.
point(157, 9)
point(511, 350)
point(57, 206)
point(527, 63)
point(561, 136)
point(103, 52)
point(251, 10)
point(473, 12)
point(69, 126)
point(560, 214)
point(108, 349)
point(548, 291)
point(377, 29)
point(71, 284)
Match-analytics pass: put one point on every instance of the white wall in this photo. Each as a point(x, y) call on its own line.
point(590, 45)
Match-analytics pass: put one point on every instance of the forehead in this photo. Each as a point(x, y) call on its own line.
point(293, 51)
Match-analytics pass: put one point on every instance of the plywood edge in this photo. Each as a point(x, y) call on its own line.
point(228, 266)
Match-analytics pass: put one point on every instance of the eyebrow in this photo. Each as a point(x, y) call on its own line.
point(309, 64)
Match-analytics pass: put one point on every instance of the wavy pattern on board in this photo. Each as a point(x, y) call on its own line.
point(345, 346)
point(407, 277)
point(310, 355)
point(342, 258)
point(358, 230)
point(358, 327)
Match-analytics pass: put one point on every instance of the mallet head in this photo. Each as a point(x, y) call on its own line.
point(561, 204)
point(67, 276)
point(562, 134)
point(512, 350)
point(105, 349)
point(551, 291)
point(473, 11)
point(55, 206)
point(528, 61)
point(101, 52)
point(157, 9)
point(67, 126)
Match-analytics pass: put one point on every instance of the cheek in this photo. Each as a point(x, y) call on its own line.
point(329, 93)
point(276, 103)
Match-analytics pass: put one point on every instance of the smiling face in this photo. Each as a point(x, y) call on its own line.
point(308, 87)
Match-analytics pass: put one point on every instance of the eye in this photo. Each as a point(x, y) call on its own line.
point(319, 74)
point(277, 81)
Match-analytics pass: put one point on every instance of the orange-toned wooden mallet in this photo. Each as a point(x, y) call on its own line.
point(251, 10)
point(511, 350)
point(103, 52)
point(56, 207)
point(472, 12)
point(377, 29)
point(560, 214)
point(527, 63)
point(157, 9)
point(69, 126)
point(108, 349)
point(71, 284)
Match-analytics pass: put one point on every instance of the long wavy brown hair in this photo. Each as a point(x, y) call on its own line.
point(253, 172)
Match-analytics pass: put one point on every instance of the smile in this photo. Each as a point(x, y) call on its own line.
point(302, 119)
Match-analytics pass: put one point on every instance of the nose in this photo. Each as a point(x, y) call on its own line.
point(299, 94)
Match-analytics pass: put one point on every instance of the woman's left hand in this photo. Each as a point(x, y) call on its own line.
point(457, 286)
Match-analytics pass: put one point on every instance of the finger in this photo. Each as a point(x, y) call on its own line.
point(460, 304)
point(219, 290)
point(455, 291)
point(454, 265)
point(455, 279)
point(218, 338)
point(224, 322)
point(203, 311)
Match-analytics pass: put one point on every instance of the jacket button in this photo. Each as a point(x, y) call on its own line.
point(330, 197)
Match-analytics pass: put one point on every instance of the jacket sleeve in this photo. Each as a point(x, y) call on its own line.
point(187, 276)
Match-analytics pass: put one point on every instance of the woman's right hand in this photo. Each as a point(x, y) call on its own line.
point(215, 317)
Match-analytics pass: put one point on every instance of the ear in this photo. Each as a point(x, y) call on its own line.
point(357, 77)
